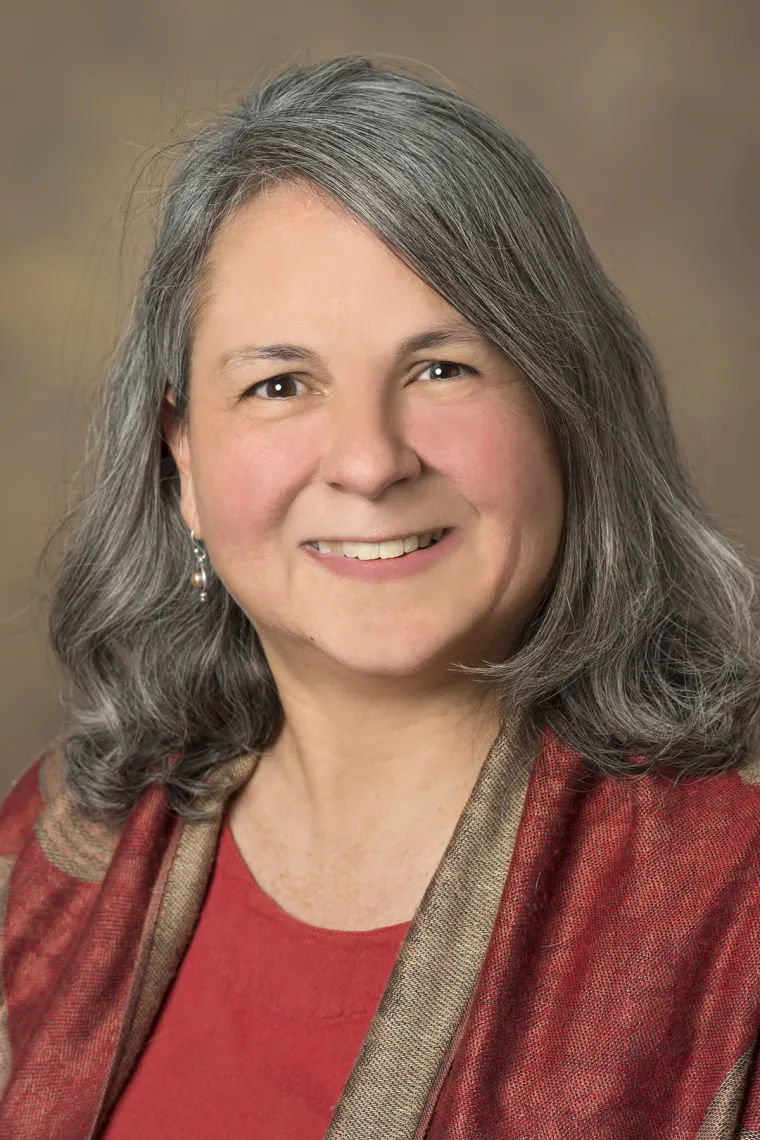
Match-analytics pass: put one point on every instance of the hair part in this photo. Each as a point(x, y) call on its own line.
point(644, 654)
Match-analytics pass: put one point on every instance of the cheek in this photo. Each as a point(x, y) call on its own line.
point(244, 489)
point(501, 461)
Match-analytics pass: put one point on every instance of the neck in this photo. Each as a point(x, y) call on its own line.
point(353, 778)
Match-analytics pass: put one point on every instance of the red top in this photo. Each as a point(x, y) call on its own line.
point(262, 1023)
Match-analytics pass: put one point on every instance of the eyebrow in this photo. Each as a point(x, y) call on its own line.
point(431, 338)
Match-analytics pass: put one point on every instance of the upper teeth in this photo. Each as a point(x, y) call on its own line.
point(370, 550)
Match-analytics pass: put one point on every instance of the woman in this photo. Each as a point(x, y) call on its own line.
point(457, 836)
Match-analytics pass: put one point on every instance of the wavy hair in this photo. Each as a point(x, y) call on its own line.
point(643, 654)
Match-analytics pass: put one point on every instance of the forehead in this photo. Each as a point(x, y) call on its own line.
point(295, 252)
point(287, 217)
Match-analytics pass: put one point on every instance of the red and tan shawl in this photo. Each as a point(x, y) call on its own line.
point(584, 963)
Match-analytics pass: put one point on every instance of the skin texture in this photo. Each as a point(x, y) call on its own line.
point(347, 816)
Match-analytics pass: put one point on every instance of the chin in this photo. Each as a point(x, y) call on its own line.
point(383, 659)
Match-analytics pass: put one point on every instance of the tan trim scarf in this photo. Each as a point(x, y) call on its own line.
point(584, 963)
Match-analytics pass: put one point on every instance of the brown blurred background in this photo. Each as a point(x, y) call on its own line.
point(646, 112)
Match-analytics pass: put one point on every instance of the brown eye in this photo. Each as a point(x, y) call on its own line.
point(439, 366)
point(276, 387)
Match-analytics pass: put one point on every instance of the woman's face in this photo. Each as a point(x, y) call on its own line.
point(358, 441)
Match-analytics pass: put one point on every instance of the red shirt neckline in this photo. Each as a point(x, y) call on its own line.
point(262, 1024)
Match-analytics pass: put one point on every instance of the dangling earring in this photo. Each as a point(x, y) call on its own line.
point(199, 578)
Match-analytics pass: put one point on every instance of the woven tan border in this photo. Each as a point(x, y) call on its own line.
point(7, 863)
point(723, 1114)
point(78, 847)
point(169, 924)
point(392, 1088)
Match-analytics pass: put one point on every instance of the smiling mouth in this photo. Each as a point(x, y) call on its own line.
point(439, 531)
point(392, 550)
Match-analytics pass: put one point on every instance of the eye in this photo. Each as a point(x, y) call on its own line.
point(279, 384)
point(437, 366)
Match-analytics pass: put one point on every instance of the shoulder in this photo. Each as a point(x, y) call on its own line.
point(701, 833)
point(687, 835)
point(52, 865)
point(729, 799)
point(39, 816)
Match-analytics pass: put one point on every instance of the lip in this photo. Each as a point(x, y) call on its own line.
point(386, 569)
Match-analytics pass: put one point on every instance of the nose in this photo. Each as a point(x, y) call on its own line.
point(364, 447)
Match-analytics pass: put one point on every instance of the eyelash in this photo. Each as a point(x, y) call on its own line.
point(469, 371)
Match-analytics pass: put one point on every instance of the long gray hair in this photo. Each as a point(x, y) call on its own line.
point(644, 653)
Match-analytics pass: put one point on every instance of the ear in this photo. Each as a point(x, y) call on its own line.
point(176, 437)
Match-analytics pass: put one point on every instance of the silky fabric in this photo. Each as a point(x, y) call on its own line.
point(585, 961)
